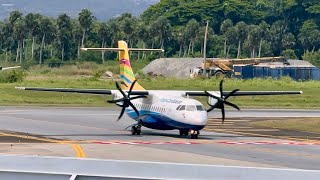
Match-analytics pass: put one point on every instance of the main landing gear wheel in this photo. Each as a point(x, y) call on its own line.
point(194, 134)
point(184, 132)
point(136, 130)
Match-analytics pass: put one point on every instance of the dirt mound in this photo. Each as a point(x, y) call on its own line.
point(172, 67)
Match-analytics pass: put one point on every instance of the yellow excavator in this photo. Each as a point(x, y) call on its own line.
point(224, 67)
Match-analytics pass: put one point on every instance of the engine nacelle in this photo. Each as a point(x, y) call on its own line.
point(212, 101)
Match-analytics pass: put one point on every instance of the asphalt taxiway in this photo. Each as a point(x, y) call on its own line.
point(94, 133)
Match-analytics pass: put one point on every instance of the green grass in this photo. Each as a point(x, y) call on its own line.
point(83, 75)
point(11, 96)
point(299, 124)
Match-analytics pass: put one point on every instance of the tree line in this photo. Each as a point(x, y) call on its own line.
point(237, 29)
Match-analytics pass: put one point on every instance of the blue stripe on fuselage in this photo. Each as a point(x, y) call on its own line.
point(155, 120)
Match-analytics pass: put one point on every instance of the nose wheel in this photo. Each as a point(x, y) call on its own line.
point(184, 132)
point(194, 134)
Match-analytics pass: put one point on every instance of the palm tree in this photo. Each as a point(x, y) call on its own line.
point(225, 25)
point(104, 34)
point(46, 31)
point(20, 34)
point(241, 31)
point(32, 24)
point(64, 34)
point(264, 34)
point(85, 19)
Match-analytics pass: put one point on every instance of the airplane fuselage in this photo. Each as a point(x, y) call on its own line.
point(165, 112)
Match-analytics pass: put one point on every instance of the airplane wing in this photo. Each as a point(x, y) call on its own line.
point(154, 92)
point(244, 93)
point(82, 91)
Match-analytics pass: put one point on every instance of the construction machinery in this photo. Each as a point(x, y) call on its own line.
point(224, 67)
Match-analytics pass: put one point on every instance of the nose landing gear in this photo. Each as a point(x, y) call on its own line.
point(193, 134)
point(184, 132)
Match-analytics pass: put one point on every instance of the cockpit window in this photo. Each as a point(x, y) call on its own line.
point(191, 108)
point(178, 107)
point(200, 108)
point(183, 107)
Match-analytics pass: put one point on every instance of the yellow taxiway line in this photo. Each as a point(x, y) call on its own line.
point(76, 147)
point(79, 150)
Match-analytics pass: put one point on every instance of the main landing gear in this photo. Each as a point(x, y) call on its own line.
point(136, 130)
point(193, 134)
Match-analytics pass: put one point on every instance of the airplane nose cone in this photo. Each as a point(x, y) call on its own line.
point(200, 118)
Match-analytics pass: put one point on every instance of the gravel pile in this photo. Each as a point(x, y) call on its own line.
point(172, 67)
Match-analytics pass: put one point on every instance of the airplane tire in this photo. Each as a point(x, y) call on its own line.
point(194, 134)
point(183, 133)
point(133, 130)
point(138, 132)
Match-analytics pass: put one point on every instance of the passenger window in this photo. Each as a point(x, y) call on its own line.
point(191, 108)
point(183, 107)
point(200, 108)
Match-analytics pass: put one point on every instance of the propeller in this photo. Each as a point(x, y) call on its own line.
point(126, 99)
point(222, 100)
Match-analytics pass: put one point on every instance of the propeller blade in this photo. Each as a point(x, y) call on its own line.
point(115, 101)
point(231, 104)
point(121, 114)
point(221, 101)
point(213, 96)
point(221, 90)
point(210, 109)
point(131, 87)
point(230, 94)
point(223, 113)
point(119, 105)
point(137, 97)
point(134, 108)
point(207, 93)
point(118, 87)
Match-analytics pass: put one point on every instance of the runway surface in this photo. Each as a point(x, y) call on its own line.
point(94, 133)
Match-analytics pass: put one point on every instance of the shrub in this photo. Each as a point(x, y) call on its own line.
point(12, 76)
point(289, 54)
point(54, 63)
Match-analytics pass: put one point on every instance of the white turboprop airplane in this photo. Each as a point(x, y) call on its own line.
point(161, 109)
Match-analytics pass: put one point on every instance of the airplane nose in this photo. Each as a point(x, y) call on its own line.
point(200, 118)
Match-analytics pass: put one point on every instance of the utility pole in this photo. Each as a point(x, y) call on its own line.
point(205, 48)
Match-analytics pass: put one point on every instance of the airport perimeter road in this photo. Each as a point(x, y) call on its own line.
point(94, 133)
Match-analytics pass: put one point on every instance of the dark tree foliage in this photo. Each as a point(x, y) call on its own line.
point(246, 28)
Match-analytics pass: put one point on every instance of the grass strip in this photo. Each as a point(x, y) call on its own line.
point(311, 125)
